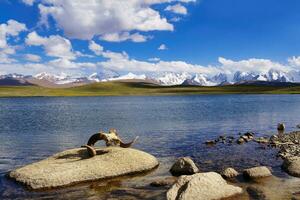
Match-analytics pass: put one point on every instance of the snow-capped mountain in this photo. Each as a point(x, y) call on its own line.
point(128, 77)
point(51, 77)
point(271, 75)
point(14, 75)
point(104, 74)
point(171, 78)
point(200, 80)
point(166, 79)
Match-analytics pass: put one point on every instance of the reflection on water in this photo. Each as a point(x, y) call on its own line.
point(169, 127)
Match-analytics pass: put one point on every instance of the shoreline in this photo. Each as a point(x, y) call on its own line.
point(140, 89)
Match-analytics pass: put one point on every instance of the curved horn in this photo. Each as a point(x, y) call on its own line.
point(126, 145)
point(91, 151)
point(95, 138)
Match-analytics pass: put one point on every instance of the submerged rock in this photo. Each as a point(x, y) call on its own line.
point(210, 142)
point(167, 181)
point(292, 166)
point(257, 172)
point(261, 140)
point(256, 193)
point(184, 166)
point(74, 165)
point(206, 186)
point(240, 140)
point(229, 173)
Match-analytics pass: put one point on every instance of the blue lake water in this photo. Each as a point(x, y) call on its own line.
point(169, 126)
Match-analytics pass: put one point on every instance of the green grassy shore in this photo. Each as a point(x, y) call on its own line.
point(123, 89)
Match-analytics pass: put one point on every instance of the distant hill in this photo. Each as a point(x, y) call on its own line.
point(14, 82)
point(117, 88)
point(267, 83)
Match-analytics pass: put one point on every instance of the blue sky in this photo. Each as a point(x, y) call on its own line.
point(200, 36)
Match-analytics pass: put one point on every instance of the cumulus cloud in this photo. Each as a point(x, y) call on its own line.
point(96, 48)
point(32, 57)
point(86, 19)
point(120, 37)
point(294, 61)
point(251, 65)
point(10, 29)
point(162, 47)
point(177, 8)
point(54, 45)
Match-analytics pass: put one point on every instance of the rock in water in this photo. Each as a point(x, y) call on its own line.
point(74, 165)
point(184, 166)
point(292, 166)
point(256, 193)
point(280, 127)
point(229, 173)
point(257, 172)
point(206, 186)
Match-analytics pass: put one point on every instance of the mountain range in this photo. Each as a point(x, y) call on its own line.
point(166, 79)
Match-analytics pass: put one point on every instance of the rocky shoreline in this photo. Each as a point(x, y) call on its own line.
point(188, 181)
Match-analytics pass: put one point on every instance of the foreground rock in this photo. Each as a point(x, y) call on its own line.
point(74, 165)
point(289, 145)
point(206, 186)
point(229, 173)
point(292, 166)
point(257, 172)
point(184, 166)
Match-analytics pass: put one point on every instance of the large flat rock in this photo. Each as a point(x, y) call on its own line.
point(74, 165)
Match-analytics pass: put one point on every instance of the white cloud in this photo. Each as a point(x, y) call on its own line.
point(10, 29)
point(175, 19)
point(28, 2)
point(162, 47)
point(294, 61)
point(119, 37)
point(54, 45)
point(96, 48)
point(250, 65)
point(89, 18)
point(32, 57)
point(177, 8)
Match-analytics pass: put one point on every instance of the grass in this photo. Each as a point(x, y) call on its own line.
point(123, 89)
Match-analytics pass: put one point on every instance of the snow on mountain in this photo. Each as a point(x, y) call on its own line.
point(279, 76)
point(167, 78)
point(271, 75)
point(172, 78)
point(219, 78)
point(128, 77)
point(104, 74)
point(199, 79)
point(14, 76)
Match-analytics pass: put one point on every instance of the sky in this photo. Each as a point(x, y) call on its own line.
point(149, 36)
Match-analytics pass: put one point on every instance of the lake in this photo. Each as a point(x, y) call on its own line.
point(169, 127)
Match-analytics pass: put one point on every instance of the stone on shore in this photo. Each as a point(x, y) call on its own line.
point(257, 172)
point(206, 186)
point(292, 166)
point(229, 173)
point(74, 165)
point(184, 166)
